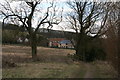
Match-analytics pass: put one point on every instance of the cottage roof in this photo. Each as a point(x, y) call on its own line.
point(65, 42)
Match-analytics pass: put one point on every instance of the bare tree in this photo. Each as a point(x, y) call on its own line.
point(26, 14)
point(88, 20)
point(119, 45)
point(113, 36)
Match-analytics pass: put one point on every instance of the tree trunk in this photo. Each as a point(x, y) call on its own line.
point(84, 48)
point(80, 51)
point(119, 47)
point(34, 46)
point(119, 53)
point(80, 47)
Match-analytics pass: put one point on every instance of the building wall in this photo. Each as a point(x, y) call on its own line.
point(50, 44)
point(65, 46)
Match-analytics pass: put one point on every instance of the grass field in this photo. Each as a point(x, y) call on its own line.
point(52, 63)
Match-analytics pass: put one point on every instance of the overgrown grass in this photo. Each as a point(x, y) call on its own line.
point(104, 70)
point(52, 63)
point(45, 70)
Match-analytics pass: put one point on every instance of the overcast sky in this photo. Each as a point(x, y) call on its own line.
point(59, 3)
point(45, 4)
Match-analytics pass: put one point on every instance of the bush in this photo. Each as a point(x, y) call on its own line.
point(92, 52)
point(95, 54)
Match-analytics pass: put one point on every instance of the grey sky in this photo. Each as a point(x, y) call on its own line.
point(45, 4)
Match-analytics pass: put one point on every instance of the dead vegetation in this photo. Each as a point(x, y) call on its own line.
point(51, 63)
point(12, 55)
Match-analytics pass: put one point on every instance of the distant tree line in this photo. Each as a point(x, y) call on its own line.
point(11, 33)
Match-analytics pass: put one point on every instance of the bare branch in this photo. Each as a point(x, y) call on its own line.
point(102, 25)
point(42, 21)
point(17, 17)
point(50, 22)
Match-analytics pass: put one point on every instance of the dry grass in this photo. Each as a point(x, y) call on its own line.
point(44, 70)
point(23, 54)
point(52, 63)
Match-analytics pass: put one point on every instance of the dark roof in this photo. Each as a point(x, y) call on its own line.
point(65, 42)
